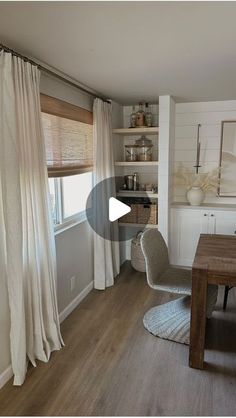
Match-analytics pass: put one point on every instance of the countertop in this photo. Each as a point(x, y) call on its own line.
point(210, 206)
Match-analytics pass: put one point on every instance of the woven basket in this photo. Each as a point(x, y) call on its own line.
point(137, 257)
point(147, 214)
point(132, 216)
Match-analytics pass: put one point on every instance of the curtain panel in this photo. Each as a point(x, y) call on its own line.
point(106, 251)
point(26, 230)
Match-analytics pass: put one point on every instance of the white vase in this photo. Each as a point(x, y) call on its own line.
point(195, 196)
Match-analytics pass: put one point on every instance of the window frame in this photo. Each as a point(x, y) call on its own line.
point(62, 222)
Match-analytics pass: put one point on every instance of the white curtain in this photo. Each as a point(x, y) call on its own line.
point(106, 251)
point(26, 231)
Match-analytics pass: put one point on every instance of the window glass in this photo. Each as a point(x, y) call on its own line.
point(75, 191)
point(68, 197)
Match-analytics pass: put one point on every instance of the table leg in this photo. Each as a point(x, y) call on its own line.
point(198, 318)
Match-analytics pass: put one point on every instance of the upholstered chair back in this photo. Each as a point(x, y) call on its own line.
point(156, 255)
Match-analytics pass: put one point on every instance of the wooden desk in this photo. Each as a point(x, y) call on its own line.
point(214, 263)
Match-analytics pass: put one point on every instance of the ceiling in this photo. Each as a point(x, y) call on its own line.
point(131, 51)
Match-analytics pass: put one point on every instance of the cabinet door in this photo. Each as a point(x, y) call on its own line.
point(205, 222)
point(185, 231)
point(225, 222)
point(211, 223)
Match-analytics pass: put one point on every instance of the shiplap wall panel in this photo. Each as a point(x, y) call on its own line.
point(207, 155)
point(209, 166)
point(190, 131)
point(186, 144)
point(196, 107)
point(209, 115)
point(186, 119)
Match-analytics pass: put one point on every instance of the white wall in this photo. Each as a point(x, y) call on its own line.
point(209, 115)
point(74, 249)
point(57, 88)
point(166, 141)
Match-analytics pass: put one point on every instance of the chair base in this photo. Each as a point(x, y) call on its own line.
point(171, 320)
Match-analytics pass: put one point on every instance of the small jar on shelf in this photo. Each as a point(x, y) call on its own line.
point(133, 118)
point(140, 116)
point(145, 148)
point(145, 153)
point(148, 116)
point(131, 152)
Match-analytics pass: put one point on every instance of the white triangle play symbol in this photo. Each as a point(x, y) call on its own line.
point(117, 209)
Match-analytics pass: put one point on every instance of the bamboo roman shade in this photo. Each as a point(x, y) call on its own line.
point(68, 133)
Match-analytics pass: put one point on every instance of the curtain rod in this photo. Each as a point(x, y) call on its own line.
point(54, 74)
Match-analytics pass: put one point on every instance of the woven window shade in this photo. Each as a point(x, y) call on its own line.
point(69, 145)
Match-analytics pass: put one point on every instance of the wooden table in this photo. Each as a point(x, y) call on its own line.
point(214, 263)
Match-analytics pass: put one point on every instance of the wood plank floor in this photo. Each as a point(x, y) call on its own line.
point(112, 366)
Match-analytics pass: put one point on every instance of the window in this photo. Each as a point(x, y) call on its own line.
point(75, 193)
point(68, 197)
point(69, 153)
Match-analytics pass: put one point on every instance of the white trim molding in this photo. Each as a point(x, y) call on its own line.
point(75, 302)
point(5, 376)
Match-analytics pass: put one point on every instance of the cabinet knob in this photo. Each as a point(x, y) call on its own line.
point(212, 214)
point(205, 214)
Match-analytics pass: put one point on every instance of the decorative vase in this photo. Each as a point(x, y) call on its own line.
point(195, 196)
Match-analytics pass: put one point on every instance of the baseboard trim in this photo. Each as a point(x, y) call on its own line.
point(75, 302)
point(5, 376)
point(8, 373)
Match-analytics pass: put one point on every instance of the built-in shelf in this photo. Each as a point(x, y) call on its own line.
point(137, 131)
point(130, 193)
point(132, 225)
point(135, 163)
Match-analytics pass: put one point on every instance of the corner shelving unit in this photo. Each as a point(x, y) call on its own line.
point(147, 170)
point(156, 172)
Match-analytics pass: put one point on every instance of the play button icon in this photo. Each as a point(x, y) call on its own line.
point(103, 209)
point(117, 209)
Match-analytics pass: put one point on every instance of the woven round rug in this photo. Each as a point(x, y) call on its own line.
point(171, 321)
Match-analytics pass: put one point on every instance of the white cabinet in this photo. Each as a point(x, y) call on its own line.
point(208, 222)
point(225, 222)
point(188, 224)
point(220, 222)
